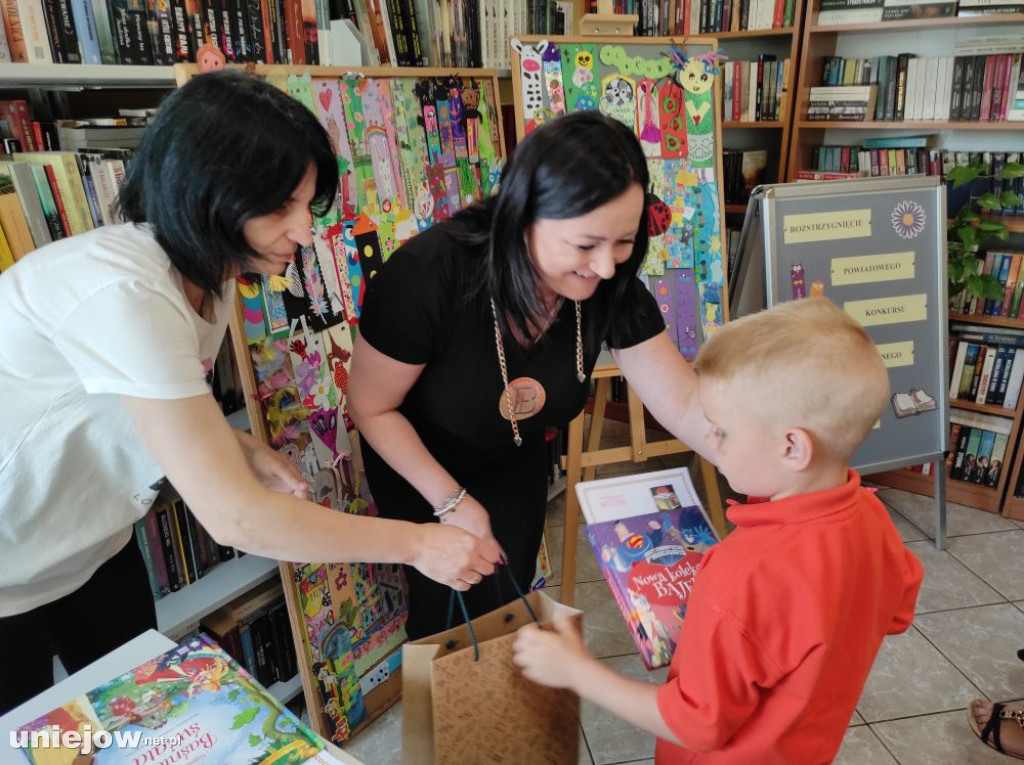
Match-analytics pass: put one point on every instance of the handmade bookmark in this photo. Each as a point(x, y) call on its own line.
point(385, 172)
point(648, 117)
point(531, 81)
point(696, 75)
point(388, 112)
point(252, 310)
point(661, 287)
point(277, 314)
point(685, 301)
point(355, 269)
point(552, 63)
point(331, 111)
point(335, 238)
point(619, 99)
point(673, 121)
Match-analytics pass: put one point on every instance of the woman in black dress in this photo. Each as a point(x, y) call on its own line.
point(482, 332)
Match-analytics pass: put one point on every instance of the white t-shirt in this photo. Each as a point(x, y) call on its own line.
point(84, 321)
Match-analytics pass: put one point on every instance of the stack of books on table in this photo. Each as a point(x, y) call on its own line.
point(833, 103)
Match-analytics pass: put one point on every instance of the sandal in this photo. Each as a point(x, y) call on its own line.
point(993, 728)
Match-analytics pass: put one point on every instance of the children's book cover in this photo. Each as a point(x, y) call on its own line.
point(649, 533)
point(192, 704)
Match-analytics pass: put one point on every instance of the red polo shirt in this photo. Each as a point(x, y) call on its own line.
point(783, 625)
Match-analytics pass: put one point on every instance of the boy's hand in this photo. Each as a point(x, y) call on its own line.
point(554, 659)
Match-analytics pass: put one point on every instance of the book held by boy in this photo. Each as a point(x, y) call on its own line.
point(649, 533)
point(191, 704)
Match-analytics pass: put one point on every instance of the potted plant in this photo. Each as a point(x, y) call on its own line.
point(975, 224)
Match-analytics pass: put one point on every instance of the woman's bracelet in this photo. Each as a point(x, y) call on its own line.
point(450, 502)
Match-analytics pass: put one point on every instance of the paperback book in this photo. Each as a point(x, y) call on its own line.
point(192, 704)
point(649, 533)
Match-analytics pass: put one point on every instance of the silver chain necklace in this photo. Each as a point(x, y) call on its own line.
point(509, 404)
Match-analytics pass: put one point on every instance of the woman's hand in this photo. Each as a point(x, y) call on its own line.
point(552, 658)
point(454, 557)
point(274, 470)
point(471, 516)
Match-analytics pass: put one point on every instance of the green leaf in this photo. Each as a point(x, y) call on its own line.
point(992, 227)
point(961, 175)
point(969, 236)
point(1009, 199)
point(988, 202)
point(1012, 170)
point(992, 288)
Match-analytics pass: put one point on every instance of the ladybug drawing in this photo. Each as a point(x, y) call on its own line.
point(659, 215)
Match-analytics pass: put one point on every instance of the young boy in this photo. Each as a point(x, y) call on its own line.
point(788, 612)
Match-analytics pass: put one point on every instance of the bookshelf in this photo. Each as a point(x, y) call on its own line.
point(925, 37)
point(72, 76)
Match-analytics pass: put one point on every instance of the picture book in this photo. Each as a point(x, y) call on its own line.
point(649, 533)
point(191, 704)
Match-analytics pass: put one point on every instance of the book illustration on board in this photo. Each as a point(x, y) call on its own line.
point(913, 402)
point(193, 703)
point(649, 533)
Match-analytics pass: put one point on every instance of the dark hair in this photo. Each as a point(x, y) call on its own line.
point(564, 169)
point(223, 149)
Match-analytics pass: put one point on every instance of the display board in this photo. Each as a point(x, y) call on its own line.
point(667, 90)
point(877, 248)
point(413, 147)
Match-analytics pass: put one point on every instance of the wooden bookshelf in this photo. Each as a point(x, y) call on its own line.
point(997, 499)
point(773, 136)
point(889, 37)
point(1013, 506)
point(913, 25)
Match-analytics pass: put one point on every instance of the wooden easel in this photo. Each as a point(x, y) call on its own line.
point(582, 465)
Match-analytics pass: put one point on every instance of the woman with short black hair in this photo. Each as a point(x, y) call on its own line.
point(106, 343)
point(480, 333)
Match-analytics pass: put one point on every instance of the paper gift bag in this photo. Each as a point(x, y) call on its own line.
point(459, 709)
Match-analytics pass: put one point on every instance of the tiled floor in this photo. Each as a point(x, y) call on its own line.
point(963, 644)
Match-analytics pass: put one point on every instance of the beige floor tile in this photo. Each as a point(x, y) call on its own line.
point(612, 740)
point(907, 530)
point(995, 558)
point(556, 511)
point(380, 743)
point(911, 677)
point(587, 569)
point(862, 747)
point(941, 739)
point(947, 582)
point(982, 642)
point(856, 719)
point(604, 629)
point(960, 520)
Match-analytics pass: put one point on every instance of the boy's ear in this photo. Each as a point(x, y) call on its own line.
point(799, 450)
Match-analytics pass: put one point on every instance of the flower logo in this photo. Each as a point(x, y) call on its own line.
point(908, 219)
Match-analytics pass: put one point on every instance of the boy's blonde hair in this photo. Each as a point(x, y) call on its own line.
point(804, 364)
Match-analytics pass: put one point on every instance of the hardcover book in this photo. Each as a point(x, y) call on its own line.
point(649, 533)
point(190, 704)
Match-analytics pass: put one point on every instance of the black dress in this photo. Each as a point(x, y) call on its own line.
point(422, 309)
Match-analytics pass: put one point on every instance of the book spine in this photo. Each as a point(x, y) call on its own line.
point(88, 34)
point(142, 540)
point(153, 533)
point(131, 31)
point(163, 515)
point(162, 35)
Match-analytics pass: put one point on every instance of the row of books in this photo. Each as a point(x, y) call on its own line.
point(986, 88)
point(1005, 267)
point(742, 170)
point(49, 195)
point(838, 12)
point(255, 631)
point(691, 17)
point(978, 444)
point(862, 161)
point(178, 551)
point(987, 367)
point(165, 32)
point(754, 91)
point(841, 102)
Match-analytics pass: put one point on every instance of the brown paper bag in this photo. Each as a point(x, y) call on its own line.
point(460, 711)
